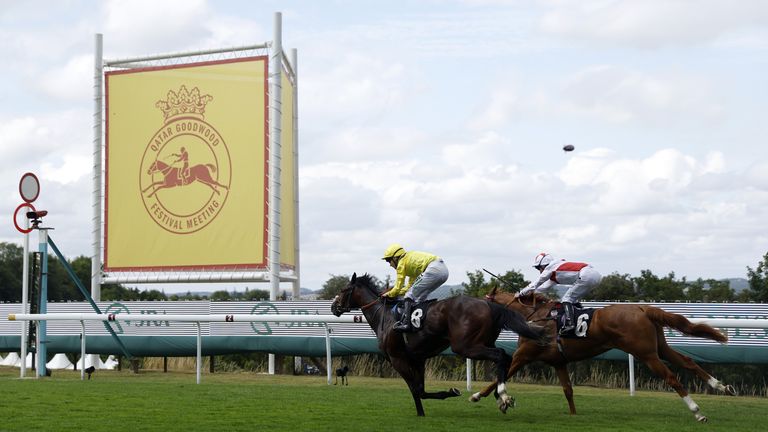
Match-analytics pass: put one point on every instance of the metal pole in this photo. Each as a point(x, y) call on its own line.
point(328, 360)
point(296, 267)
point(276, 66)
point(24, 301)
point(631, 374)
point(97, 146)
point(469, 374)
point(295, 66)
point(130, 62)
point(82, 350)
point(199, 351)
point(42, 352)
point(37, 344)
point(222, 318)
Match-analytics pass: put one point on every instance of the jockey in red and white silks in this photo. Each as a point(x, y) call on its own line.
point(579, 277)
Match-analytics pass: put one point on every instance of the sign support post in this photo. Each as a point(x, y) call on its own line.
point(275, 112)
point(24, 301)
point(29, 189)
point(42, 337)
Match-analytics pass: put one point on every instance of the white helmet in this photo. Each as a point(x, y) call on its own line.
point(542, 260)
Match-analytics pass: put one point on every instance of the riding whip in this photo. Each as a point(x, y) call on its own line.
point(509, 285)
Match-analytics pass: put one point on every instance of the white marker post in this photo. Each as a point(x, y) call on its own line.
point(29, 189)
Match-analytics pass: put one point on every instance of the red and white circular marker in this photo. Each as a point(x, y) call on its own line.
point(15, 216)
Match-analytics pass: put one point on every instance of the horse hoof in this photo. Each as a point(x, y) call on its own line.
point(503, 408)
point(730, 390)
point(701, 418)
point(454, 391)
point(504, 403)
point(475, 397)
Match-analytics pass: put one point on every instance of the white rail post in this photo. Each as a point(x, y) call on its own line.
point(82, 350)
point(328, 360)
point(631, 374)
point(199, 351)
point(469, 374)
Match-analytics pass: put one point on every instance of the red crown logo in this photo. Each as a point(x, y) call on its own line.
point(184, 102)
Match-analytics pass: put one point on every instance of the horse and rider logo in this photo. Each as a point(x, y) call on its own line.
point(185, 172)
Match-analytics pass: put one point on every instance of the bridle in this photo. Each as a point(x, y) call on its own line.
point(347, 292)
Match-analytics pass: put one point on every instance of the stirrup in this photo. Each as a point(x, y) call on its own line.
point(566, 329)
point(402, 327)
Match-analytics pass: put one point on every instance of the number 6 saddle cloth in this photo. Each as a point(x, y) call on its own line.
point(582, 319)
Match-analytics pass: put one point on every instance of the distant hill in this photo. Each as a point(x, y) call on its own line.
point(446, 291)
point(738, 284)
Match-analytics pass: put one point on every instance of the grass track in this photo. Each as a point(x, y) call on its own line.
point(155, 401)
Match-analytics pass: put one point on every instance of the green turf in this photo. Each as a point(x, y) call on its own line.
point(156, 401)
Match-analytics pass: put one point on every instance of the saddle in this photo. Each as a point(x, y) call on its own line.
point(582, 318)
point(418, 313)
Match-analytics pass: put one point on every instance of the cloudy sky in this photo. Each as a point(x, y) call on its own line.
point(440, 124)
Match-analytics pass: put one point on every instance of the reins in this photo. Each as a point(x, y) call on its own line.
point(517, 299)
point(366, 306)
point(363, 307)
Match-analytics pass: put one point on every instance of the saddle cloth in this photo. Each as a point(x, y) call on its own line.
point(418, 313)
point(582, 319)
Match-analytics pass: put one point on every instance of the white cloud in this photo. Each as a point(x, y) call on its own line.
point(630, 231)
point(654, 184)
point(354, 87)
point(68, 170)
point(618, 95)
point(72, 81)
point(149, 27)
point(607, 94)
point(757, 174)
point(651, 23)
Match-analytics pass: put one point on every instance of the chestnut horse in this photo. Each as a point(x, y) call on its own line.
point(468, 325)
point(636, 329)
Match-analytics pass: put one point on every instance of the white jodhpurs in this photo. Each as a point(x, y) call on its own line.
point(588, 279)
point(434, 275)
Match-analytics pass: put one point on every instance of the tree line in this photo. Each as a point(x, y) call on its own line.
point(62, 288)
point(647, 287)
point(618, 287)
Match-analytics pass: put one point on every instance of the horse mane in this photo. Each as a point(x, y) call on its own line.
point(366, 281)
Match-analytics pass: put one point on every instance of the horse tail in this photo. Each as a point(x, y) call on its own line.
point(681, 324)
point(507, 319)
point(211, 167)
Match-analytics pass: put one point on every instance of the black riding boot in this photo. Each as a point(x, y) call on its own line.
point(568, 326)
point(404, 325)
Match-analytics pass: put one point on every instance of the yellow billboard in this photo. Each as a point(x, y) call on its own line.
point(186, 167)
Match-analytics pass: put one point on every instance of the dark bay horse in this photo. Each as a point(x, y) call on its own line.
point(171, 178)
point(468, 325)
point(636, 329)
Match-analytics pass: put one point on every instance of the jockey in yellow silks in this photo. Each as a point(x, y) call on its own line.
point(425, 272)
